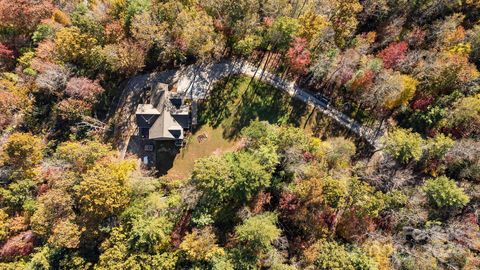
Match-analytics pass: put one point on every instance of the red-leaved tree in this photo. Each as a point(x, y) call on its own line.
point(363, 81)
point(422, 103)
point(5, 52)
point(6, 56)
point(19, 245)
point(393, 54)
point(298, 55)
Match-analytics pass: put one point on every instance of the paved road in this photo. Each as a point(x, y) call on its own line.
point(197, 80)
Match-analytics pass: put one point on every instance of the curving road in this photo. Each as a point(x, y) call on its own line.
point(197, 80)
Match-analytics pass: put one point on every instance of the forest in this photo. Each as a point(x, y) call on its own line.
point(283, 193)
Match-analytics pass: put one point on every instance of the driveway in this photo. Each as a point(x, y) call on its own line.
point(196, 81)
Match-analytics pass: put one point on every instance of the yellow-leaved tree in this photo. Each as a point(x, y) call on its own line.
point(104, 190)
point(197, 34)
point(405, 91)
point(344, 20)
point(201, 245)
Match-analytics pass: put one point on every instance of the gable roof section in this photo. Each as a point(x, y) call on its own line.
point(164, 116)
point(166, 128)
point(146, 115)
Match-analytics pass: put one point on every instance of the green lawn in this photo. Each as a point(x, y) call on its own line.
point(231, 106)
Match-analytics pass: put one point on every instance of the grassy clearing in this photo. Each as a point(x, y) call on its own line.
point(193, 150)
point(232, 105)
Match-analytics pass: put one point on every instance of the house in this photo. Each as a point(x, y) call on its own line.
point(165, 118)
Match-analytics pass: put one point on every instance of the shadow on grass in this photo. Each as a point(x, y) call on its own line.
point(220, 102)
point(233, 106)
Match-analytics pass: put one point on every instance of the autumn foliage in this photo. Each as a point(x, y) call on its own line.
point(83, 89)
point(394, 54)
point(24, 15)
point(19, 245)
point(298, 55)
point(398, 80)
point(5, 52)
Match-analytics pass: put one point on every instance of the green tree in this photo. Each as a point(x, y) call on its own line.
point(87, 22)
point(150, 234)
point(125, 10)
point(74, 260)
point(362, 261)
point(335, 192)
point(260, 133)
point(214, 176)
point(403, 145)
point(42, 259)
point(249, 175)
point(4, 230)
point(232, 179)
point(364, 199)
point(114, 251)
point(18, 194)
point(116, 254)
point(328, 255)
point(247, 45)
point(443, 192)
point(282, 32)
point(255, 237)
point(258, 232)
point(23, 153)
point(438, 146)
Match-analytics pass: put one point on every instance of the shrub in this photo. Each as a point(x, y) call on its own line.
point(444, 192)
point(403, 145)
